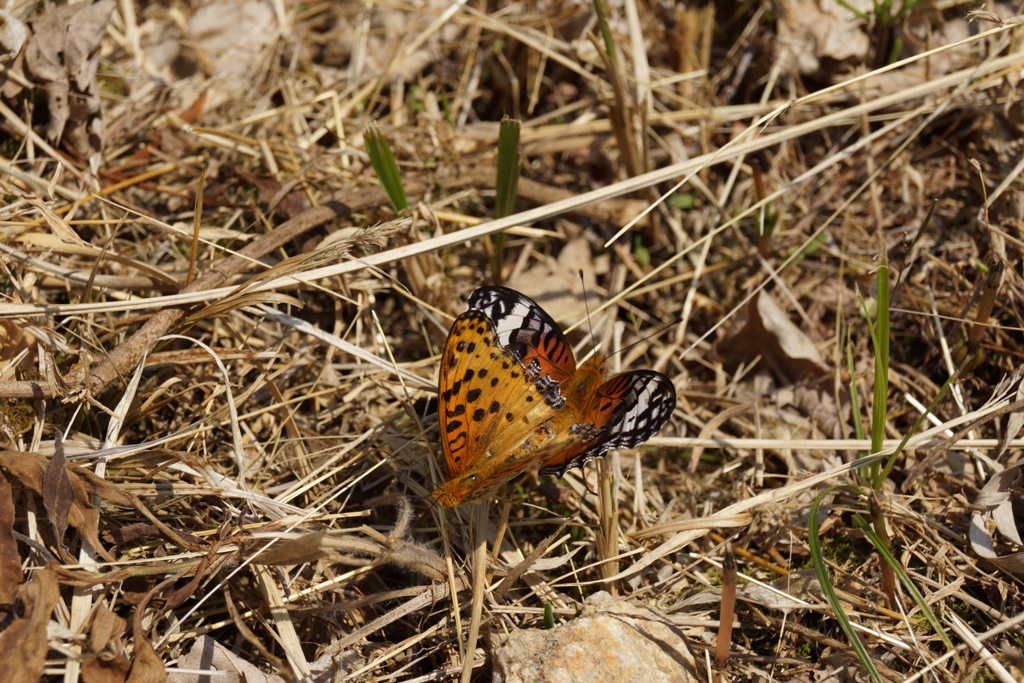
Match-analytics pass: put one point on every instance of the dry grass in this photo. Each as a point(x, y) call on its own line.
point(220, 344)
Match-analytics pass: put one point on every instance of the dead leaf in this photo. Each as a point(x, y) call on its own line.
point(999, 496)
point(1014, 423)
point(29, 469)
point(389, 53)
point(787, 593)
point(179, 595)
point(534, 562)
point(104, 627)
point(10, 561)
point(58, 494)
point(812, 30)
point(763, 330)
point(286, 198)
point(105, 669)
point(23, 643)
point(58, 225)
point(191, 114)
point(555, 283)
point(818, 399)
point(62, 54)
point(209, 655)
point(13, 33)
point(229, 37)
point(147, 667)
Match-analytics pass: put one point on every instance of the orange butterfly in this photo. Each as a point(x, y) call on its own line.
point(511, 398)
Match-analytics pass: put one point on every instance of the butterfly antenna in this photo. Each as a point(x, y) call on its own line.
point(650, 336)
point(586, 306)
point(593, 337)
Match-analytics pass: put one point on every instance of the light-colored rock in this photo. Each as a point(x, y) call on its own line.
point(610, 642)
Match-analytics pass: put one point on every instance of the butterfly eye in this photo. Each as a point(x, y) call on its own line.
point(473, 477)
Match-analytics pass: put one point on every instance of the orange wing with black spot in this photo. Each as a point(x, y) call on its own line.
point(511, 398)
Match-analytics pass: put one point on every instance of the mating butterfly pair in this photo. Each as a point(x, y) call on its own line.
point(511, 398)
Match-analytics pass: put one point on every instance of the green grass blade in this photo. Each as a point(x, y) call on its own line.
point(863, 16)
point(818, 559)
point(858, 422)
point(887, 556)
point(601, 9)
point(506, 186)
point(387, 170)
point(891, 462)
point(508, 168)
point(880, 339)
point(878, 325)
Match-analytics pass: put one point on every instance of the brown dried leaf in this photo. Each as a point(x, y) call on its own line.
point(10, 561)
point(105, 669)
point(286, 198)
point(147, 667)
point(556, 285)
point(57, 491)
point(1014, 423)
point(29, 469)
point(63, 54)
point(810, 31)
point(819, 401)
point(787, 593)
point(12, 79)
point(764, 330)
point(58, 226)
point(105, 627)
point(179, 595)
point(998, 497)
point(533, 561)
point(13, 33)
point(207, 655)
point(228, 37)
point(23, 644)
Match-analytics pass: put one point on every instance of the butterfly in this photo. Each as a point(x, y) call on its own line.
point(511, 399)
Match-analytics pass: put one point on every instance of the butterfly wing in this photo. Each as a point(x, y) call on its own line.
point(494, 413)
point(528, 333)
point(511, 397)
point(625, 411)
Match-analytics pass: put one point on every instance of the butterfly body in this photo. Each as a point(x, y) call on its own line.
point(512, 399)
